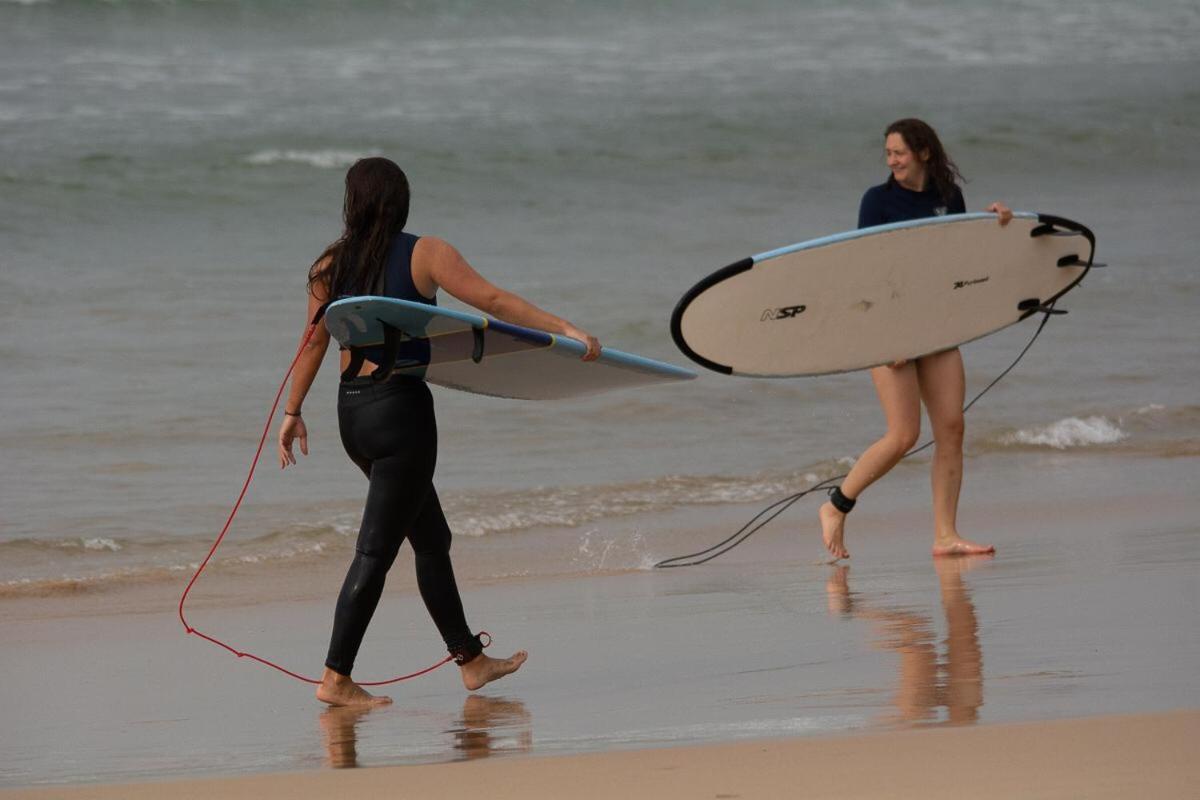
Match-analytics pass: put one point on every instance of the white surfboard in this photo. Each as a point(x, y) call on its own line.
point(483, 355)
point(878, 295)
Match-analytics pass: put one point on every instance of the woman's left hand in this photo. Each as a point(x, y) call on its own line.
point(1003, 211)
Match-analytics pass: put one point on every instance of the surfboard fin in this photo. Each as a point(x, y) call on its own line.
point(1074, 260)
point(1050, 229)
point(391, 349)
point(1033, 305)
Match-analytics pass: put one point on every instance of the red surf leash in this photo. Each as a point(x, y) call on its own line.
point(312, 328)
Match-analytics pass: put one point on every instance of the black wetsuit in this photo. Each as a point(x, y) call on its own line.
point(891, 202)
point(390, 432)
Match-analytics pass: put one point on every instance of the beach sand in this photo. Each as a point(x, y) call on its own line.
point(1143, 756)
point(890, 669)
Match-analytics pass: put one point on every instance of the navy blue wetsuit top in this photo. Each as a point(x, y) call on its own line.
point(398, 283)
point(891, 202)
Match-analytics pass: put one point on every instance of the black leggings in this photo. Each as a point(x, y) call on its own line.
point(389, 431)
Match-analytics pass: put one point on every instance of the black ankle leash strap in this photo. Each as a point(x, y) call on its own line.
point(840, 501)
point(473, 647)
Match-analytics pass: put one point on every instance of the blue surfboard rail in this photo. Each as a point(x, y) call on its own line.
point(891, 226)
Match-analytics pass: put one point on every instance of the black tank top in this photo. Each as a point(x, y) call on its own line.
point(398, 283)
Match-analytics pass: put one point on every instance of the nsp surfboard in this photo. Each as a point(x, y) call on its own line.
point(483, 355)
point(879, 295)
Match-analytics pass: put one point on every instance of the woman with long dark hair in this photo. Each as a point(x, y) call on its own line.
point(388, 428)
point(923, 183)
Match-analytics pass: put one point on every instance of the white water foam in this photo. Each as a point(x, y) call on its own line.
point(481, 514)
point(285, 553)
point(321, 159)
point(99, 543)
point(597, 552)
point(1068, 433)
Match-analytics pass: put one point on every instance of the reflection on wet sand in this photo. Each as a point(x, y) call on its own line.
point(341, 740)
point(491, 724)
point(487, 725)
point(926, 684)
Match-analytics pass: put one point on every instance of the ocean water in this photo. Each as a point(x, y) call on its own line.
point(168, 171)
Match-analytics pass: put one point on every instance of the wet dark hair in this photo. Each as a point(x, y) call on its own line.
point(940, 168)
point(374, 211)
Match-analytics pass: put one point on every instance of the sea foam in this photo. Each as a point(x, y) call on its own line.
point(321, 159)
point(1068, 433)
point(101, 543)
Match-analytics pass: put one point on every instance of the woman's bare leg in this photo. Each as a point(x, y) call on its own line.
point(943, 387)
point(900, 396)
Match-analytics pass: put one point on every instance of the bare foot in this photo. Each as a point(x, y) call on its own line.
point(832, 522)
point(482, 669)
point(958, 546)
point(338, 690)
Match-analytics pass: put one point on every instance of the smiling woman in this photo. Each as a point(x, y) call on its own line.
point(917, 162)
point(923, 183)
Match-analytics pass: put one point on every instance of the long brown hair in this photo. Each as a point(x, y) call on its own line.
point(374, 211)
point(940, 168)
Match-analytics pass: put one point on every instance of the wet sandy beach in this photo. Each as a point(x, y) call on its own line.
point(1089, 608)
point(1097, 757)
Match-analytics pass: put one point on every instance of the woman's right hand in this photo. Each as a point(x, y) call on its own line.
point(1003, 213)
point(291, 429)
point(590, 342)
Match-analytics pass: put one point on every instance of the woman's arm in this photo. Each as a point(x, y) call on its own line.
point(444, 266)
point(305, 372)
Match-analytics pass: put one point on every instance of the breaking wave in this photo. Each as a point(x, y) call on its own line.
point(321, 159)
point(68, 566)
point(1149, 430)
point(1068, 433)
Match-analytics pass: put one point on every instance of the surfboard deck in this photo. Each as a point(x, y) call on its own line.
point(479, 354)
point(879, 295)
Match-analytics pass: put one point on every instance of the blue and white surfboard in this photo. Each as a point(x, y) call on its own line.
point(478, 354)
